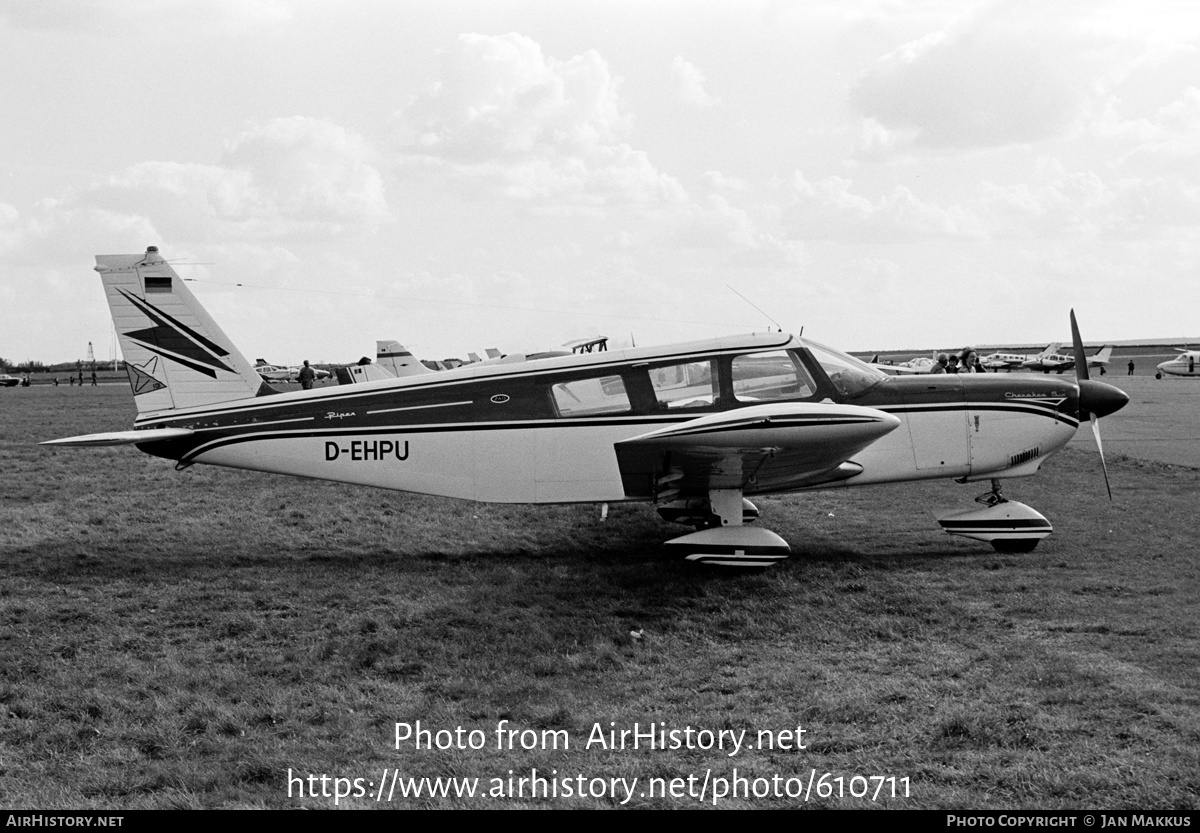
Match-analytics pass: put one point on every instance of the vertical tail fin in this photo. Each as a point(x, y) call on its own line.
point(175, 354)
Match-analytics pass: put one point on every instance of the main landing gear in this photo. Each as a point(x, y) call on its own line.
point(725, 540)
point(1008, 525)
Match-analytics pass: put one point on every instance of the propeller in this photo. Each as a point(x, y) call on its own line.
point(1096, 399)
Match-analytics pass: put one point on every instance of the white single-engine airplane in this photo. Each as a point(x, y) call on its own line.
point(917, 365)
point(1187, 363)
point(693, 428)
point(278, 373)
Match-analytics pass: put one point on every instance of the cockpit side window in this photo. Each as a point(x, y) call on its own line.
point(767, 377)
point(850, 376)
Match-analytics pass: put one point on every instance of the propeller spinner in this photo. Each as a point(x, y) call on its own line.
point(1096, 399)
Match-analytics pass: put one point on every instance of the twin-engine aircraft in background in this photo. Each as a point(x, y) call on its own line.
point(1061, 362)
point(693, 428)
point(1011, 361)
point(1187, 363)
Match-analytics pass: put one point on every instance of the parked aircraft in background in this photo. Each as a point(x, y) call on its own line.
point(1060, 362)
point(1101, 358)
point(917, 365)
point(1187, 363)
point(693, 428)
point(279, 373)
point(591, 344)
point(1010, 361)
point(393, 357)
point(274, 373)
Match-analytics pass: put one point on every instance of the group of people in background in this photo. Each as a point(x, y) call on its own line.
point(964, 361)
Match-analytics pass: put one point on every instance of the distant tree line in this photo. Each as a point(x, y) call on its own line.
point(33, 366)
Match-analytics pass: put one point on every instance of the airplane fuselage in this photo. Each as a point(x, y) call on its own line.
point(1185, 364)
point(545, 431)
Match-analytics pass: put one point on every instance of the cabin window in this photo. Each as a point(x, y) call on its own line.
point(684, 385)
point(590, 397)
point(766, 377)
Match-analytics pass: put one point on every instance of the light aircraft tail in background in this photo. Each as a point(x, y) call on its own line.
point(397, 360)
point(1102, 357)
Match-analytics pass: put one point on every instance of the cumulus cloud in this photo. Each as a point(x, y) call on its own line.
point(689, 84)
point(291, 176)
point(9, 217)
point(67, 231)
point(536, 128)
point(715, 223)
point(718, 181)
point(829, 208)
point(1166, 143)
point(310, 171)
point(1083, 204)
point(985, 81)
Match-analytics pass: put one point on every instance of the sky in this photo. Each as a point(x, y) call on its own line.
point(484, 173)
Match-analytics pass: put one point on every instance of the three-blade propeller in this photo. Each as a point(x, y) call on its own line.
point(1096, 399)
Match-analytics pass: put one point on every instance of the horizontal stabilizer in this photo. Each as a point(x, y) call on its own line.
point(150, 435)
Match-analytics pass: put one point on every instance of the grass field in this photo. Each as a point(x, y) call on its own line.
point(185, 639)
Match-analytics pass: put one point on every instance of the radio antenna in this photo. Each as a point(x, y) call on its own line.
point(751, 303)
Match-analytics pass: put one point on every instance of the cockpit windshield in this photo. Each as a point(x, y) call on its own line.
point(850, 376)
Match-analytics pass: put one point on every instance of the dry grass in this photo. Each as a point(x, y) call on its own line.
point(184, 639)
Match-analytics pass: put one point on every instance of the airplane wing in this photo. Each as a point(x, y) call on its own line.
point(150, 435)
point(762, 448)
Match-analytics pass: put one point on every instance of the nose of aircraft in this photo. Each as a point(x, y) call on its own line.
point(1099, 398)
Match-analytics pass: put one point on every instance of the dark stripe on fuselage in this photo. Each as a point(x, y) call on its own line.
point(199, 445)
point(1039, 410)
point(309, 433)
